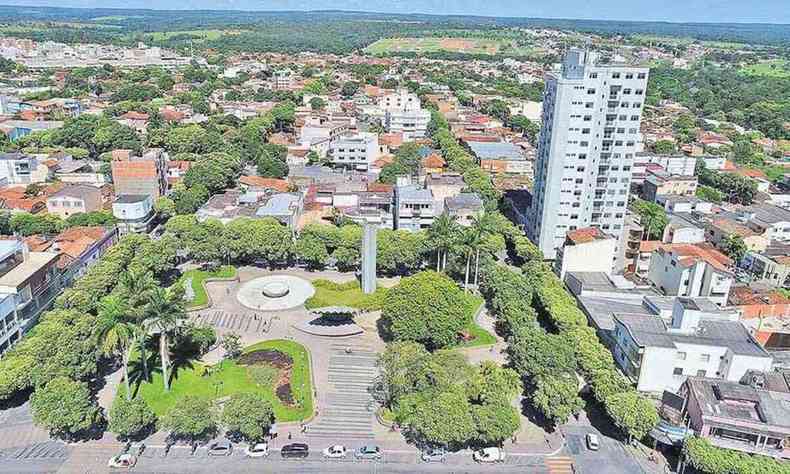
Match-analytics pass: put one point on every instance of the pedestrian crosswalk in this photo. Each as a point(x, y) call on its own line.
point(247, 323)
point(559, 465)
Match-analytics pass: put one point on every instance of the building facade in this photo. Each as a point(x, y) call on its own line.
point(590, 135)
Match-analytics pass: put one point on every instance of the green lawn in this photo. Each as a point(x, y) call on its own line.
point(481, 336)
point(200, 35)
point(329, 293)
point(777, 68)
point(199, 277)
point(435, 44)
point(230, 378)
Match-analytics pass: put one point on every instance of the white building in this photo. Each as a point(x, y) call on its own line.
point(699, 341)
point(135, 213)
point(586, 250)
point(357, 151)
point(590, 134)
point(20, 168)
point(282, 79)
point(404, 114)
point(691, 270)
point(680, 165)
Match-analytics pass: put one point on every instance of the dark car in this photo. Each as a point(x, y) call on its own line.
point(368, 452)
point(295, 450)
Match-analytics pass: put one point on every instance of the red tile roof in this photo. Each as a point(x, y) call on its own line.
point(585, 235)
point(280, 185)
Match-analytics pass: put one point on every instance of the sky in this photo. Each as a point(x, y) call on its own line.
point(714, 11)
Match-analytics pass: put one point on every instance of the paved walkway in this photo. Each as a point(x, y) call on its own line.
point(349, 409)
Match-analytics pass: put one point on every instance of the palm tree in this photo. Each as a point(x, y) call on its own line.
point(472, 239)
point(163, 312)
point(443, 234)
point(116, 333)
point(136, 286)
point(482, 226)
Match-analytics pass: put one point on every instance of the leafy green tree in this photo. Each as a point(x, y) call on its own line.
point(165, 208)
point(443, 236)
point(428, 308)
point(248, 415)
point(634, 414)
point(652, 217)
point(94, 218)
point(708, 193)
point(399, 251)
point(189, 200)
point(317, 103)
point(495, 421)
point(526, 126)
point(557, 396)
point(734, 247)
point(664, 147)
point(311, 251)
point(191, 418)
point(130, 419)
point(535, 353)
point(349, 89)
point(64, 407)
point(113, 135)
point(270, 167)
point(443, 418)
point(231, 344)
point(26, 224)
point(497, 108)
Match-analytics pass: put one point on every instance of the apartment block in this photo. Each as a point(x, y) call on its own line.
point(140, 175)
point(590, 136)
point(356, 151)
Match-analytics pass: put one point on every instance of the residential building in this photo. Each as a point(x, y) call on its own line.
point(414, 208)
point(586, 250)
point(674, 204)
point(404, 114)
point(80, 247)
point(682, 230)
point(135, 213)
point(691, 271)
point(661, 183)
point(373, 207)
point(591, 118)
point(773, 222)
point(751, 415)
point(29, 283)
point(357, 151)
point(282, 79)
point(501, 157)
point(678, 165)
point(464, 207)
point(20, 168)
point(770, 266)
point(445, 185)
point(285, 207)
point(140, 175)
point(700, 340)
point(75, 199)
point(719, 230)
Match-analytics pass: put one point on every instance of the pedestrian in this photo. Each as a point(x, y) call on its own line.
point(289, 436)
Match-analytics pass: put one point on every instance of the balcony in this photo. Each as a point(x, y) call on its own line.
point(750, 447)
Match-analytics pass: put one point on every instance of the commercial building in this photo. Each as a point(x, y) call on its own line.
point(751, 415)
point(414, 207)
point(29, 283)
point(700, 340)
point(590, 134)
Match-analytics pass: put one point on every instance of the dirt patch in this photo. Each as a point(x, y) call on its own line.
point(455, 44)
point(271, 357)
point(281, 362)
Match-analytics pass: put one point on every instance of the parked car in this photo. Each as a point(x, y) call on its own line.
point(335, 451)
point(220, 448)
point(124, 460)
point(592, 442)
point(258, 450)
point(489, 455)
point(434, 455)
point(369, 451)
point(295, 450)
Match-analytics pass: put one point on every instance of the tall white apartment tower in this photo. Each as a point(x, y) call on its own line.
point(590, 133)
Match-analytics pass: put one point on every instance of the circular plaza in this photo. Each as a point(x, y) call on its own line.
point(275, 292)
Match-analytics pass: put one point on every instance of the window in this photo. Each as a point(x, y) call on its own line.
point(626, 91)
point(677, 371)
point(588, 118)
point(641, 75)
point(634, 117)
point(585, 131)
point(705, 357)
point(702, 373)
point(615, 75)
point(680, 355)
point(588, 105)
point(629, 75)
point(590, 91)
point(639, 92)
point(593, 75)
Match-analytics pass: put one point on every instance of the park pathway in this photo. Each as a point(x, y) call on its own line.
point(349, 409)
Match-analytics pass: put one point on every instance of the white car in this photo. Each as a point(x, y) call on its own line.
point(335, 451)
point(592, 442)
point(489, 455)
point(258, 450)
point(125, 460)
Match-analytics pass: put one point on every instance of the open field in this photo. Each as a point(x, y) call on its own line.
point(228, 378)
point(198, 35)
point(777, 68)
point(434, 45)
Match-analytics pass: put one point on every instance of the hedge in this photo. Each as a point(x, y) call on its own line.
point(705, 457)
